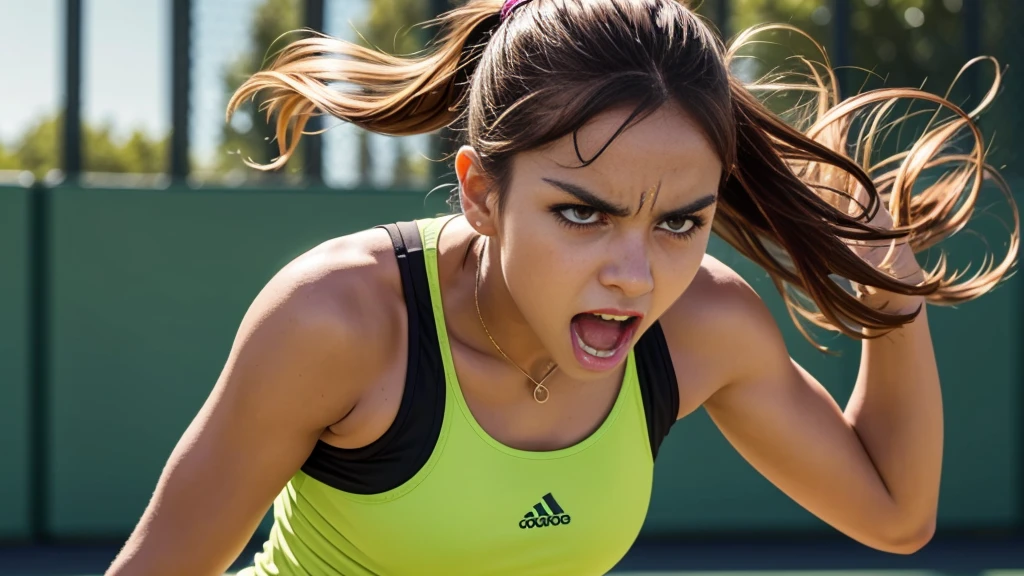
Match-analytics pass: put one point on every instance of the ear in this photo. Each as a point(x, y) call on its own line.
point(476, 192)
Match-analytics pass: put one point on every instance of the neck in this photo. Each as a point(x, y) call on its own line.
point(502, 318)
point(515, 327)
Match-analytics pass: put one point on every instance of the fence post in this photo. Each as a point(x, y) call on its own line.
point(39, 358)
point(841, 43)
point(721, 17)
point(72, 145)
point(313, 167)
point(181, 87)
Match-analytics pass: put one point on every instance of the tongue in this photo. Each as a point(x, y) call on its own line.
point(597, 333)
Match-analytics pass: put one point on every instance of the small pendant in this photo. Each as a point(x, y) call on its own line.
point(540, 393)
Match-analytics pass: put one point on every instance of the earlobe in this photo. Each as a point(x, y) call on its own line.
point(475, 187)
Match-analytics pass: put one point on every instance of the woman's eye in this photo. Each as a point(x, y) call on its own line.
point(581, 215)
point(677, 225)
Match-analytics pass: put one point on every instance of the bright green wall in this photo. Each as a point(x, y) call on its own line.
point(14, 362)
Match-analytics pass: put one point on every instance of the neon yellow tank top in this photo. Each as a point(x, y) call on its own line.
point(477, 507)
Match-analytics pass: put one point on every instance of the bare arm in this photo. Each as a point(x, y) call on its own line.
point(872, 471)
point(896, 409)
point(277, 393)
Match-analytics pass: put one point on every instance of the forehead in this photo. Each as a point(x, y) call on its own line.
point(667, 147)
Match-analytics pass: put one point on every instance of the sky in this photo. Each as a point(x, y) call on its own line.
point(127, 66)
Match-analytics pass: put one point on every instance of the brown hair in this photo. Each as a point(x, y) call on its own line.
point(793, 199)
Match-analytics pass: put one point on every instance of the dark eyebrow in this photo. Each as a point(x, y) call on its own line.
point(590, 199)
point(689, 209)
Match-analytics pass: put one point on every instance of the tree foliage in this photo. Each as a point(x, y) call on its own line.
point(390, 27)
point(249, 135)
point(904, 42)
point(39, 149)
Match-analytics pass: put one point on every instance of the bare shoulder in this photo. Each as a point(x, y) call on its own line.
point(716, 331)
point(718, 308)
point(346, 279)
point(298, 364)
point(334, 310)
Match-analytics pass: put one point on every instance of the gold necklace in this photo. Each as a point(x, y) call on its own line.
point(540, 391)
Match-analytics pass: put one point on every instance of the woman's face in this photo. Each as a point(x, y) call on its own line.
point(593, 256)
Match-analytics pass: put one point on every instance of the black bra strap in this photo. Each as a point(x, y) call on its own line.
point(658, 385)
point(395, 457)
point(405, 237)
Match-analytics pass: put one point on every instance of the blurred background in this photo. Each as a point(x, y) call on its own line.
point(133, 238)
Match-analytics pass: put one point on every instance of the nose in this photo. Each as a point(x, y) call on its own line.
point(628, 270)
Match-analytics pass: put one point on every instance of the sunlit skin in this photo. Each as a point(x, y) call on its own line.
point(539, 270)
point(625, 233)
point(322, 352)
point(870, 470)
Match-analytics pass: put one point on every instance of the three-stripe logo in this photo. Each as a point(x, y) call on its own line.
point(541, 517)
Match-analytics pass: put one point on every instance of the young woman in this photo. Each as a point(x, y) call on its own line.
point(486, 393)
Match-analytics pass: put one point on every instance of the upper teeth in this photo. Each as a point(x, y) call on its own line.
point(613, 317)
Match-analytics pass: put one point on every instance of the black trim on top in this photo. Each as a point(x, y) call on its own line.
point(658, 386)
point(395, 457)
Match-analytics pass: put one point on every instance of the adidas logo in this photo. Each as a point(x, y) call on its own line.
point(540, 516)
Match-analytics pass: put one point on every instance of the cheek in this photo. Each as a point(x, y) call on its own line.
point(546, 279)
point(535, 248)
point(541, 273)
point(674, 273)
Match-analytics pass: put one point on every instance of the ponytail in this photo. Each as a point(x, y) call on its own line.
point(799, 200)
point(796, 202)
point(382, 93)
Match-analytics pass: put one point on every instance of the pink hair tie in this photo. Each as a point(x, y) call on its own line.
point(509, 6)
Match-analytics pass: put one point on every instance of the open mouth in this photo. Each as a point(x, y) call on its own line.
point(601, 338)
